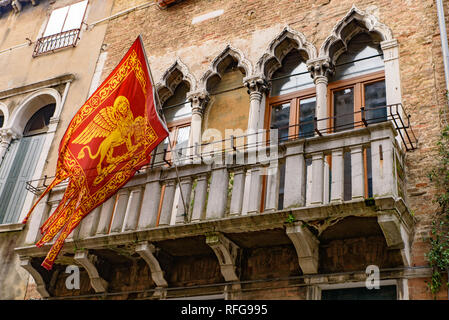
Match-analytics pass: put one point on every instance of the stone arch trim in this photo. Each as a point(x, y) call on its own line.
point(218, 66)
point(355, 22)
point(172, 77)
point(33, 103)
point(4, 110)
point(287, 40)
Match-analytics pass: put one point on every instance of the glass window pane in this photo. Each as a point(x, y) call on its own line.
point(280, 116)
point(375, 102)
point(182, 142)
point(176, 107)
point(344, 109)
point(300, 77)
point(306, 115)
point(56, 21)
point(75, 16)
point(178, 112)
point(362, 57)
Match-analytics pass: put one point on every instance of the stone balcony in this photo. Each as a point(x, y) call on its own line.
point(231, 207)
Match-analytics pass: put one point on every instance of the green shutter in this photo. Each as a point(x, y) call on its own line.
point(18, 168)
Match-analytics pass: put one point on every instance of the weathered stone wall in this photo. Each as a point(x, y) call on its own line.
point(13, 279)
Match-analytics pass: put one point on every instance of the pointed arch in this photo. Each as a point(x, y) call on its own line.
point(172, 77)
point(287, 40)
point(221, 62)
point(356, 21)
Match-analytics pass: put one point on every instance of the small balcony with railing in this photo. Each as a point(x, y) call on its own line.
point(242, 192)
point(57, 41)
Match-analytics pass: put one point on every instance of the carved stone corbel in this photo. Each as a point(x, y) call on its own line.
point(396, 235)
point(146, 250)
point(227, 253)
point(25, 262)
point(88, 262)
point(306, 245)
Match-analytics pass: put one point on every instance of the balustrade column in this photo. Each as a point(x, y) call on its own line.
point(272, 192)
point(88, 225)
point(133, 209)
point(186, 189)
point(295, 177)
point(200, 198)
point(357, 173)
point(120, 210)
point(255, 190)
point(106, 211)
point(167, 202)
point(238, 188)
point(337, 188)
point(318, 178)
point(218, 193)
point(150, 201)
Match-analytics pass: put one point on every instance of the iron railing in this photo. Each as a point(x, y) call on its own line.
point(57, 41)
point(396, 114)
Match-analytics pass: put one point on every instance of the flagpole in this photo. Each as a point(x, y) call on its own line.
point(158, 104)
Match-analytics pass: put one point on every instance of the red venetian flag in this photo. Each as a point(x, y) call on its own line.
point(107, 141)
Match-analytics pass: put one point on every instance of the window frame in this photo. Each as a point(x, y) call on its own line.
point(295, 108)
point(358, 83)
point(41, 40)
point(173, 128)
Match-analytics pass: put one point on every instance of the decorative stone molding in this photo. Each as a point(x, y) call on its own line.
point(257, 84)
point(199, 100)
point(25, 262)
point(33, 103)
point(221, 62)
point(227, 253)
point(306, 245)
point(320, 69)
point(172, 77)
point(147, 250)
point(355, 21)
point(88, 262)
point(287, 40)
point(8, 134)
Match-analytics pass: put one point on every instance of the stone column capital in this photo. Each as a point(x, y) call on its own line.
point(8, 134)
point(256, 86)
point(199, 100)
point(320, 68)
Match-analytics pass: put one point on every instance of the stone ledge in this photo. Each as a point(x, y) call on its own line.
point(11, 227)
point(233, 224)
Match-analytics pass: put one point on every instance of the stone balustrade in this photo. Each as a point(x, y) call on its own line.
point(314, 176)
